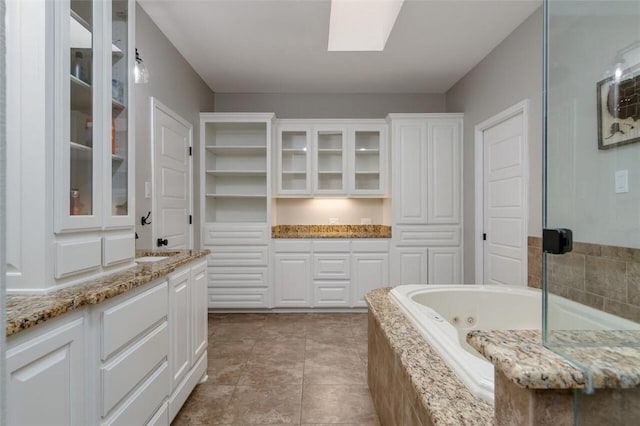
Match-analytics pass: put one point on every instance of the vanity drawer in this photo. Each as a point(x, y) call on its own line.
point(231, 298)
point(292, 246)
point(128, 319)
point(426, 235)
point(237, 277)
point(225, 234)
point(331, 294)
point(238, 256)
point(124, 373)
point(331, 266)
point(334, 246)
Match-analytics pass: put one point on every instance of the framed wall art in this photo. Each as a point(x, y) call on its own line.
point(619, 109)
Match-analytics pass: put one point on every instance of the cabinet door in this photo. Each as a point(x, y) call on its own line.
point(409, 266)
point(444, 184)
point(368, 160)
point(119, 55)
point(369, 271)
point(294, 160)
point(445, 265)
point(79, 115)
point(410, 172)
point(330, 160)
point(198, 310)
point(45, 378)
point(179, 318)
point(292, 280)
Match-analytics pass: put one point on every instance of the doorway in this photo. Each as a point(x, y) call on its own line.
point(172, 146)
point(501, 197)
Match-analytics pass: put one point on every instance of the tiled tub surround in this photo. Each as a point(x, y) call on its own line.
point(603, 277)
point(409, 382)
point(331, 231)
point(25, 311)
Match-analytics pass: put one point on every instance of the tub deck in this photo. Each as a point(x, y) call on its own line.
point(413, 369)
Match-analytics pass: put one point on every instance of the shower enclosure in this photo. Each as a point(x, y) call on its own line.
point(592, 178)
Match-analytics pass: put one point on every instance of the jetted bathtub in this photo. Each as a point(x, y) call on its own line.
point(444, 314)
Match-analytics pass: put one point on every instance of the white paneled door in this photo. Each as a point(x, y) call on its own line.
point(172, 138)
point(505, 201)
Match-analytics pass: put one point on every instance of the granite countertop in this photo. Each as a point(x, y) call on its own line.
point(27, 310)
point(520, 355)
point(446, 398)
point(331, 231)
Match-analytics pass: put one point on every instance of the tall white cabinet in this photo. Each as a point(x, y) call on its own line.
point(236, 206)
point(426, 198)
point(70, 168)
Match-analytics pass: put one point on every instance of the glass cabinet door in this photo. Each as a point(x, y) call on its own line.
point(82, 133)
point(368, 161)
point(118, 140)
point(294, 161)
point(330, 161)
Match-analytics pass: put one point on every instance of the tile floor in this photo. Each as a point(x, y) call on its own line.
point(284, 369)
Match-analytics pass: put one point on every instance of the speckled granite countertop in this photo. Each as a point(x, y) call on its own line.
point(446, 398)
point(520, 355)
point(331, 231)
point(25, 311)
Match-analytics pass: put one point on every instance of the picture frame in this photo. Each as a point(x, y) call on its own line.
point(618, 102)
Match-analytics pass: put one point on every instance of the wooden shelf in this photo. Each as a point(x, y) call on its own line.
point(294, 150)
point(328, 172)
point(237, 150)
point(236, 195)
point(367, 173)
point(294, 172)
point(330, 151)
point(237, 172)
point(367, 151)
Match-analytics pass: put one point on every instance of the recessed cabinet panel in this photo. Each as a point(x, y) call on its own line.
point(410, 172)
point(77, 256)
point(180, 303)
point(292, 278)
point(409, 266)
point(128, 319)
point(444, 265)
point(370, 271)
point(444, 180)
point(331, 294)
point(238, 256)
point(199, 309)
point(328, 266)
point(117, 249)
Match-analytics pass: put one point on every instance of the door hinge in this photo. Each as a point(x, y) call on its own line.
point(190, 220)
point(190, 151)
point(484, 237)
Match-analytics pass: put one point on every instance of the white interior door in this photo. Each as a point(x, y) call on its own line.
point(505, 201)
point(172, 140)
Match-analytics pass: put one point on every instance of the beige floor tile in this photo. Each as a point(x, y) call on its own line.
point(251, 405)
point(240, 349)
point(205, 406)
point(272, 372)
point(225, 371)
point(234, 331)
point(333, 368)
point(338, 404)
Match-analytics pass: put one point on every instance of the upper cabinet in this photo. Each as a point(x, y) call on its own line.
point(333, 158)
point(70, 162)
point(93, 156)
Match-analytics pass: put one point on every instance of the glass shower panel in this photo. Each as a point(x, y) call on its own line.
point(592, 178)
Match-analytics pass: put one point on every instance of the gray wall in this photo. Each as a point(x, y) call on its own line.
point(326, 105)
point(174, 83)
point(511, 73)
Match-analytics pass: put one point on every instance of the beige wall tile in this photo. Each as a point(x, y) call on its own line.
point(606, 277)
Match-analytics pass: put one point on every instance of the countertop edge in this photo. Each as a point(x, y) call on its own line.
point(25, 311)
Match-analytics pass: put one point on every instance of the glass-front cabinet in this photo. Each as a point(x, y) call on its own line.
point(93, 125)
point(368, 160)
point(330, 160)
point(294, 160)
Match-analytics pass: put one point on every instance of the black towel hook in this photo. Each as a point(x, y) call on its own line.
point(145, 220)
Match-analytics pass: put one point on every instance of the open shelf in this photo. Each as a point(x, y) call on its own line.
point(237, 150)
point(236, 195)
point(237, 172)
point(79, 147)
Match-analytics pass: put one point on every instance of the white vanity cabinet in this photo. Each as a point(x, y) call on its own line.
point(328, 273)
point(45, 374)
point(427, 198)
point(72, 121)
point(318, 158)
point(131, 360)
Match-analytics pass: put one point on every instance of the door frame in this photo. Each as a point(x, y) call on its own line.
point(521, 107)
point(156, 104)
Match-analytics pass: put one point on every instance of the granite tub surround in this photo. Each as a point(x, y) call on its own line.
point(331, 231)
point(520, 356)
point(25, 311)
point(409, 382)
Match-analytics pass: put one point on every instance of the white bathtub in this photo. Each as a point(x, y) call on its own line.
point(444, 314)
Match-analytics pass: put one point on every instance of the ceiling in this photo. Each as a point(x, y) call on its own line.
point(280, 46)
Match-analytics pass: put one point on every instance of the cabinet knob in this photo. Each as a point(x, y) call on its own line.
point(162, 242)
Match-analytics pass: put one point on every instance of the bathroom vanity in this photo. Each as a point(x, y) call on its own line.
point(126, 348)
